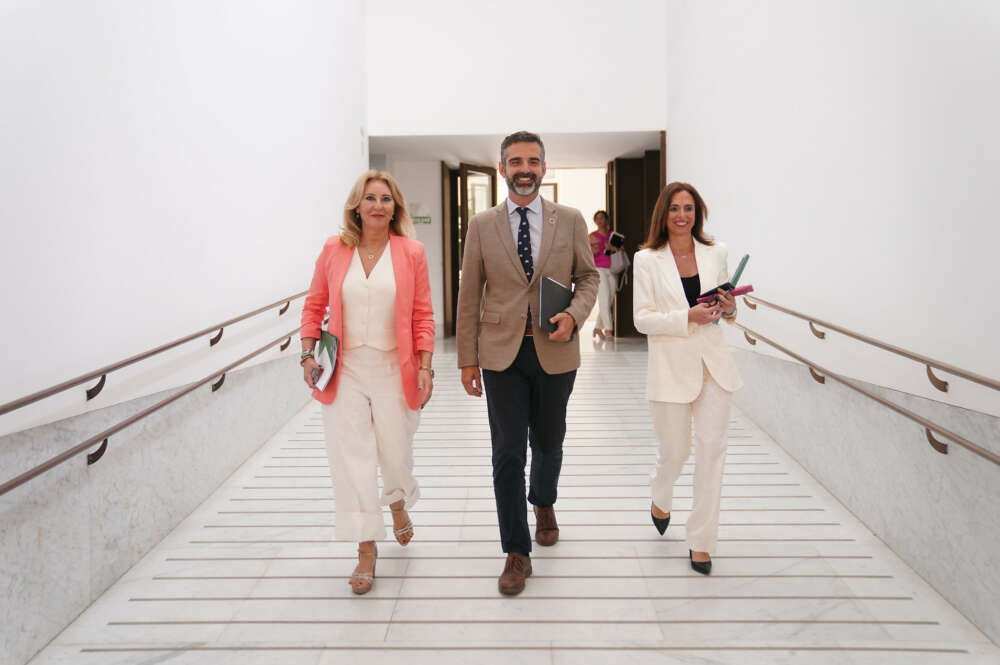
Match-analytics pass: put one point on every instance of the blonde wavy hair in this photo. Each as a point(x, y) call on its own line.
point(401, 224)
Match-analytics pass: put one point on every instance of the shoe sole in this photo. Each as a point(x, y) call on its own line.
point(547, 544)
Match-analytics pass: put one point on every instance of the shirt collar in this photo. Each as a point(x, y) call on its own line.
point(535, 206)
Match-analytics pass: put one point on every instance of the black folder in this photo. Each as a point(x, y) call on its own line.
point(553, 298)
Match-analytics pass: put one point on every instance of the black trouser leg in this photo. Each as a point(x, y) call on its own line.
point(508, 398)
point(546, 432)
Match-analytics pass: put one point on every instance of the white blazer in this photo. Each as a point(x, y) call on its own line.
point(677, 348)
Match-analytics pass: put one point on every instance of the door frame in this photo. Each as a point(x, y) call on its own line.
point(455, 224)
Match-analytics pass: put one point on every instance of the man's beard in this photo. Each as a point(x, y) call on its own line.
point(524, 190)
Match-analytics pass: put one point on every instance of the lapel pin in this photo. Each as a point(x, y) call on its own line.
point(552, 220)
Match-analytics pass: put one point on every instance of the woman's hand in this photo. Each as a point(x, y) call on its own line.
point(704, 312)
point(727, 302)
point(425, 385)
point(308, 365)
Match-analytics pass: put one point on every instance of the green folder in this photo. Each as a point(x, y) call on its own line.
point(739, 270)
point(736, 276)
point(326, 357)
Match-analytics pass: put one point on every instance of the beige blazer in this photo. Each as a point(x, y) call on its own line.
point(494, 294)
point(677, 348)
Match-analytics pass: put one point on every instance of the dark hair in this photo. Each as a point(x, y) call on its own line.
point(602, 212)
point(658, 232)
point(520, 137)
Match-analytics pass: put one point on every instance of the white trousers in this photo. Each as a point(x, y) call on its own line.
point(367, 426)
point(672, 426)
point(605, 297)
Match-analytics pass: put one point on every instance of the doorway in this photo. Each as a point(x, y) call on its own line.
point(465, 192)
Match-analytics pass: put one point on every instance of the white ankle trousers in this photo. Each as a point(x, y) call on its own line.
point(605, 298)
point(672, 426)
point(369, 426)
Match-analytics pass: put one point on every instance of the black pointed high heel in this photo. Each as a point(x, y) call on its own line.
point(661, 523)
point(703, 567)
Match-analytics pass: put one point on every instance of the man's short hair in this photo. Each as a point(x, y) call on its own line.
point(520, 137)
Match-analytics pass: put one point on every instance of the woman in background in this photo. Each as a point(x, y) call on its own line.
point(606, 292)
point(691, 369)
point(373, 279)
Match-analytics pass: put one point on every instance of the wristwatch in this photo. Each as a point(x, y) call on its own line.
point(429, 369)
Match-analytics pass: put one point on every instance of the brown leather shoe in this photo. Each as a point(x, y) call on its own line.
point(515, 571)
point(546, 529)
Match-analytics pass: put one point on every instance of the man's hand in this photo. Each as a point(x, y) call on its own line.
point(472, 381)
point(565, 324)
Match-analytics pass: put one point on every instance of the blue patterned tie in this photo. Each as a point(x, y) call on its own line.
point(524, 250)
point(524, 244)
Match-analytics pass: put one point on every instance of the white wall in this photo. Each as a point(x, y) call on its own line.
point(165, 166)
point(852, 149)
point(451, 67)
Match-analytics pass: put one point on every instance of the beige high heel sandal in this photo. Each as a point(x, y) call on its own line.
point(367, 579)
point(407, 529)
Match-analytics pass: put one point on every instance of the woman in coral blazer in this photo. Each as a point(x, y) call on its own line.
point(373, 280)
point(691, 369)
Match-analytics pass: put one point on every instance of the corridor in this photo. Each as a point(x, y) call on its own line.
point(253, 577)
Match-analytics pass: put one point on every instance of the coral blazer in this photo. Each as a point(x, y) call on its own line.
point(414, 314)
point(677, 348)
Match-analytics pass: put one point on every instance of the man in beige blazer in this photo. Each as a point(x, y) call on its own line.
point(528, 374)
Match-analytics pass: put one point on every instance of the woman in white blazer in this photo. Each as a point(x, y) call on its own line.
point(691, 369)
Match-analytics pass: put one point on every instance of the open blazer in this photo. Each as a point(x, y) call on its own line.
point(495, 294)
point(414, 315)
point(677, 348)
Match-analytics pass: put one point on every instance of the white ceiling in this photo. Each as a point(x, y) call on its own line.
point(561, 150)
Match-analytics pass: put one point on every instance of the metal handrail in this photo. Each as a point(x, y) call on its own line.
point(104, 371)
point(928, 425)
point(103, 436)
point(937, 382)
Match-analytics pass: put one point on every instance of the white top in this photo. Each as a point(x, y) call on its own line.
point(369, 304)
point(534, 224)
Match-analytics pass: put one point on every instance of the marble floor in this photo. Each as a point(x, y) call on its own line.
point(253, 576)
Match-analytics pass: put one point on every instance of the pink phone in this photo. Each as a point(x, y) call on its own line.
point(738, 291)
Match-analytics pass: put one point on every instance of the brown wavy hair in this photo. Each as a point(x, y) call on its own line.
point(401, 224)
point(658, 232)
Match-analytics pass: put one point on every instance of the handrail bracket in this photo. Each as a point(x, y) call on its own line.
point(97, 454)
point(218, 384)
point(817, 332)
point(940, 384)
point(939, 446)
point(95, 390)
point(215, 340)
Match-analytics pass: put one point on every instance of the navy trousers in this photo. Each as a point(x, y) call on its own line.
point(526, 405)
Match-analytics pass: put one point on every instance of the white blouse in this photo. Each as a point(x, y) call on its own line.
point(369, 304)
